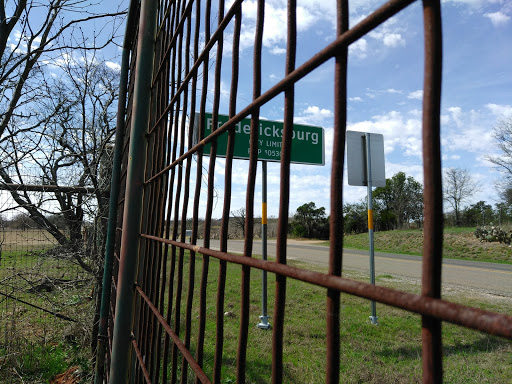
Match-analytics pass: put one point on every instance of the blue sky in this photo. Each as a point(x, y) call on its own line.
point(385, 80)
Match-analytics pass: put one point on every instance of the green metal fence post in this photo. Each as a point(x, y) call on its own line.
point(121, 344)
point(114, 196)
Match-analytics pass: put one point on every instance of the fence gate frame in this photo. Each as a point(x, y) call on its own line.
point(159, 87)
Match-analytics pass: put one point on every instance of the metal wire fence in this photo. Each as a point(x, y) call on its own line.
point(46, 297)
point(164, 290)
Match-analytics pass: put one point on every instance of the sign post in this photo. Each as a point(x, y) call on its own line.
point(307, 148)
point(365, 166)
point(373, 317)
point(264, 324)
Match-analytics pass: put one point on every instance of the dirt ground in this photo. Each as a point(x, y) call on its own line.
point(71, 376)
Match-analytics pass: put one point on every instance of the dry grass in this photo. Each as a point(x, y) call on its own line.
point(14, 239)
point(458, 243)
point(35, 344)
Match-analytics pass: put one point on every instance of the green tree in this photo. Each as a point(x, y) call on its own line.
point(477, 214)
point(399, 202)
point(355, 218)
point(310, 221)
point(503, 213)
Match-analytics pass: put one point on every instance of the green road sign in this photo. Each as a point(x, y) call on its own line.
point(307, 142)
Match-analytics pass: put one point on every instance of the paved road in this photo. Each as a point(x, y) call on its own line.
point(486, 277)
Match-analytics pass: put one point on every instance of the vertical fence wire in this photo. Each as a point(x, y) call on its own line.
point(164, 36)
point(219, 341)
point(186, 197)
point(176, 184)
point(282, 231)
point(204, 272)
point(336, 217)
point(249, 205)
point(433, 199)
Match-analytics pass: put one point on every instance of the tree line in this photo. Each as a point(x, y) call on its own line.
point(399, 205)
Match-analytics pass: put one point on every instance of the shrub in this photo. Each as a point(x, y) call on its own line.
point(493, 234)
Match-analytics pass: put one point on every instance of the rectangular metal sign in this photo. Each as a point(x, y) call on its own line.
point(356, 159)
point(307, 142)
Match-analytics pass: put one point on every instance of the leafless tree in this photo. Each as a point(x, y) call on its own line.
point(43, 118)
point(69, 144)
point(57, 111)
point(37, 34)
point(238, 220)
point(502, 134)
point(458, 186)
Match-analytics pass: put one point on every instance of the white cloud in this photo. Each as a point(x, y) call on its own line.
point(310, 181)
point(358, 49)
point(357, 98)
point(16, 49)
point(456, 115)
point(463, 133)
point(314, 115)
point(277, 50)
point(309, 13)
point(500, 110)
point(417, 95)
point(393, 40)
point(373, 93)
point(113, 66)
point(316, 111)
point(389, 34)
point(498, 18)
point(398, 132)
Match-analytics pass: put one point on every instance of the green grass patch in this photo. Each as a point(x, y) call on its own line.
point(387, 353)
point(458, 243)
point(40, 363)
point(35, 345)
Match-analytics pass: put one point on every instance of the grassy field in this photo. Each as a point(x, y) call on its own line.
point(35, 344)
point(458, 243)
point(24, 240)
point(387, 353)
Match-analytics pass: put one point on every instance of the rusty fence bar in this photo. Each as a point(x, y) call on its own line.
point(157, 305)
point(433, 198)
point(122, 330)
point(486, 321)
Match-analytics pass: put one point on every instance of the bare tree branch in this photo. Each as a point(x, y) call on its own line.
point(458, 186)
point(34, 40)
